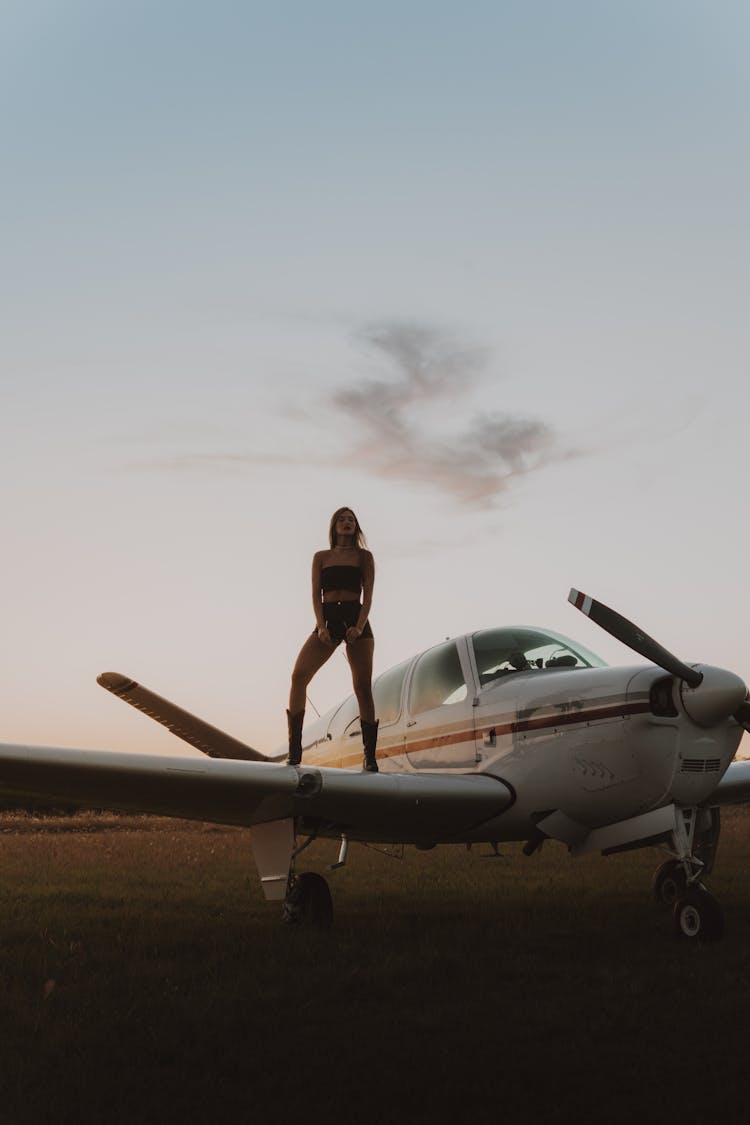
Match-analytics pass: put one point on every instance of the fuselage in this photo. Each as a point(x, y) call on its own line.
point(544, 715)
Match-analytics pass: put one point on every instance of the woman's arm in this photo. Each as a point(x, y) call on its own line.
point(317, 597)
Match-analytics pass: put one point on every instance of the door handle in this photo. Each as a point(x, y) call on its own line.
point(412, 723)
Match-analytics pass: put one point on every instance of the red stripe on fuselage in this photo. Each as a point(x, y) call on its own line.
point(561, 719)
point(516, 726)
point(567, 718)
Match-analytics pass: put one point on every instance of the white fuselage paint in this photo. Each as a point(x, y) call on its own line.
point(583, 741)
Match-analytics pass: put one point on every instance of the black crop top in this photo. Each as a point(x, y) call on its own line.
point(341, 578)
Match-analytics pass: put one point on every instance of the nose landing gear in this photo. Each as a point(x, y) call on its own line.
point(696, 914)
point(669, 882)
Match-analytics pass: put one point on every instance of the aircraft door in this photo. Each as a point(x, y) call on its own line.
point(439, 724)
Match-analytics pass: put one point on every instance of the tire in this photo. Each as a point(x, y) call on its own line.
point(669, 882)
point(698, 916)
point(309, 902)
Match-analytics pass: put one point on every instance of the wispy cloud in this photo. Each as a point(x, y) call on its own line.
point(393, 438)
point(406, 418)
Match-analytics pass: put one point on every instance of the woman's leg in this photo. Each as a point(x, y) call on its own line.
point(360, 658)
point(312, 656)
point(360, 655)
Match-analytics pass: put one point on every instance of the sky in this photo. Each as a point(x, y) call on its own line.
point(478, 270)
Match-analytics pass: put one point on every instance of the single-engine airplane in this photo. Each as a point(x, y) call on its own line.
point(506, 734)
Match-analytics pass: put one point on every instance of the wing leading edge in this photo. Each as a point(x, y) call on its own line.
point(394, 808)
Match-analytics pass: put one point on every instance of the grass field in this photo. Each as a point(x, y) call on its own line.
point(144, 979)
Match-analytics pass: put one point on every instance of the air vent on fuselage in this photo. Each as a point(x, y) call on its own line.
point(700, 765)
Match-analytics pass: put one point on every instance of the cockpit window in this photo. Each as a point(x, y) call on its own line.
point(438, 679)
point(501, 652)
point(386, 693)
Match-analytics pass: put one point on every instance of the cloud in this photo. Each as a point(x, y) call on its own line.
point(394, 438)
point(405, 420)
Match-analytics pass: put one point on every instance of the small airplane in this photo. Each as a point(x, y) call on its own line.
point(505, 734)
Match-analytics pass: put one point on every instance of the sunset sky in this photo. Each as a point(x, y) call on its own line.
point(479, 270)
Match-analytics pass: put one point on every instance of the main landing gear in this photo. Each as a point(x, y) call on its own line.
point(308, 901)
point(696, 914)
point(308, 898)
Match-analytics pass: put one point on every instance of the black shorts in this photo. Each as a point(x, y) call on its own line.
point(339, 616)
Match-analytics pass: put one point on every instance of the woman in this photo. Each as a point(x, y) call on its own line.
point(339, 576)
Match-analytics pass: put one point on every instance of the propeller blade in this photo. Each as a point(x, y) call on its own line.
point(630, 635)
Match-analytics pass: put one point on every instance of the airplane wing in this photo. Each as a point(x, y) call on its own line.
point(209, 740)
point(734, 787)
point(384, 807)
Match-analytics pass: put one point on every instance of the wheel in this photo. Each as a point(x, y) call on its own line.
point(308, 902)
point(697, 915)
point(669, 882)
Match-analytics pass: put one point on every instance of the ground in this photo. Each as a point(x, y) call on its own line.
point(144, 979)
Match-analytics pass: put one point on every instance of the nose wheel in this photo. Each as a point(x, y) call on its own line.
point(669, 882)
point(698, 916)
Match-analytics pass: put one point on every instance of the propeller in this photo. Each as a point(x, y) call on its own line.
point(630, 635)
point(722, 694)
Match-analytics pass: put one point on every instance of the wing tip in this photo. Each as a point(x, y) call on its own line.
point(116, 682)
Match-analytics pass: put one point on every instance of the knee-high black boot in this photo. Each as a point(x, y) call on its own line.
point(369, 741)
point(294, 722)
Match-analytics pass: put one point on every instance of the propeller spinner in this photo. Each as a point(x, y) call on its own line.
point(708, 695)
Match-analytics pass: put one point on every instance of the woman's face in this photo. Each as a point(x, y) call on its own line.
point(346, 524)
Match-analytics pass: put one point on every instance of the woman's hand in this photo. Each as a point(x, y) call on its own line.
point(324, 636)
point(353, 634)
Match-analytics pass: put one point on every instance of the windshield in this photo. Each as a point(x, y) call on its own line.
point(500, 652)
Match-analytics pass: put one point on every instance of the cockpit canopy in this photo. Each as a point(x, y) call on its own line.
point(438, 677)
point(502, 652)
